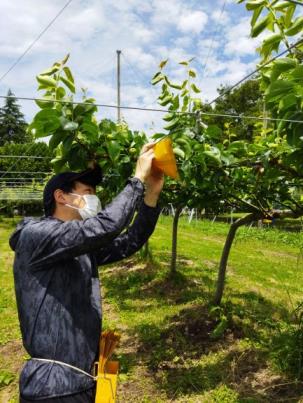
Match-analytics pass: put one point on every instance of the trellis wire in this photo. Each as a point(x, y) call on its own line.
point(232, 116)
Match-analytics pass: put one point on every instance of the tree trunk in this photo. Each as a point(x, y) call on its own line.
point(174, 241)
point(225, 254)
point(146, 252)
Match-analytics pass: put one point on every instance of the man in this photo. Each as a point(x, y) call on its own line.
point(56, 276)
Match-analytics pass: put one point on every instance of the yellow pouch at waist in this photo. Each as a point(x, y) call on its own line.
point(107, 371)
point(107, 383)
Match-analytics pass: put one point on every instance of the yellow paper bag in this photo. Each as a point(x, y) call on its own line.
point(165, 160)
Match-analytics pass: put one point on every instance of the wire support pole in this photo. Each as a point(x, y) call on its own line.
point(119, 86)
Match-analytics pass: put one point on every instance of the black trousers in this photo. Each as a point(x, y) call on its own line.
point(84, 397)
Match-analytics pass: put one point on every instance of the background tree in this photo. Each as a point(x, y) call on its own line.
point(12, 122)
point(31, 165)
point(276, 157)
point(204, 152)
point(247, 99)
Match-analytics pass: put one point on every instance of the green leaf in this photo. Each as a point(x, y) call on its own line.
point(6, 378)
point(68, 83)
point(47, 115)
point(169, 117)
point(253, 4)
point(172, 125)
point(60, 92)
point(289, 14)
point(272, 39)
point(195, 88)
point(270, 44)
point(238, 148)
point(185, 103)
point(184, 84)
point(77, 157)
point(179, 152)
point(297, 74)
point(58, 163)
point(163, 63)
point(259, 27)
point(48, 103)
point(213, 157)
point(296, 27)
point(172, 85)
point(294, 136)
point(281, 6)
point(70, 126)
point(90, 128)
point(278, 89)
point(158, 136)
point(50, 71)
point(113, 148)
point(67, 143)
point(282, 65)
point(35, 129)
point(159, 73)
point(214, 132)
point(68, 74)
point(46, 81)
point(176, 103)
point(197, 103)
point(256, 15)
point(157, 79)
point(65, 59)
point(288, 101)
point(166, 100)
point(56, 139)
point(220, 328)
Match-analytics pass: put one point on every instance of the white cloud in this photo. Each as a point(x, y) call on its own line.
point(146, 32)
point(220, 17)
point(193, 22)
point(183, 41)
point(239, 41)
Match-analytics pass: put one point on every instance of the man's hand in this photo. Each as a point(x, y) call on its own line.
point(154, 185)
point(151, 177)
point(144, 163)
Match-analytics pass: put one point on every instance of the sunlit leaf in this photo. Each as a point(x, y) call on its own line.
point(163, 63)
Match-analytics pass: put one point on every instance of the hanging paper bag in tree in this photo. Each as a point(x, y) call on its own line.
point(107, 372)
point(165, 160)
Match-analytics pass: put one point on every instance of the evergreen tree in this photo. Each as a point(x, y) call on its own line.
point(12, 122)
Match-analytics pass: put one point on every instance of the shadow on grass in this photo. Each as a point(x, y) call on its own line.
point(182, 353)
point(139, 280)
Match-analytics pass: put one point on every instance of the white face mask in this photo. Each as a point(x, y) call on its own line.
point(92, 206)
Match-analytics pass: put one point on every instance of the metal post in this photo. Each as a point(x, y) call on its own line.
point(118, 86)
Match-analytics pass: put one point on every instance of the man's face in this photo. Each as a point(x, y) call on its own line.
point(67, 198)
point(80, 189)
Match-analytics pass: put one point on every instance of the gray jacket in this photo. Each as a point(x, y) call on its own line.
point(58, 291)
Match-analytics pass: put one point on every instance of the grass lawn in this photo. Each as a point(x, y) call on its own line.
point(175, 346)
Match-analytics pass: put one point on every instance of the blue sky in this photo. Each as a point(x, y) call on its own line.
point(146, 32)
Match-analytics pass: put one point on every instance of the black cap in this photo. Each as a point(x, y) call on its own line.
point(91, 176)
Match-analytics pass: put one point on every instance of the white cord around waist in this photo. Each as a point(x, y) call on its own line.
point(66, 365)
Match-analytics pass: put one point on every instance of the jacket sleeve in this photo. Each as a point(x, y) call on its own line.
point(133, 239)
point(54, 240)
